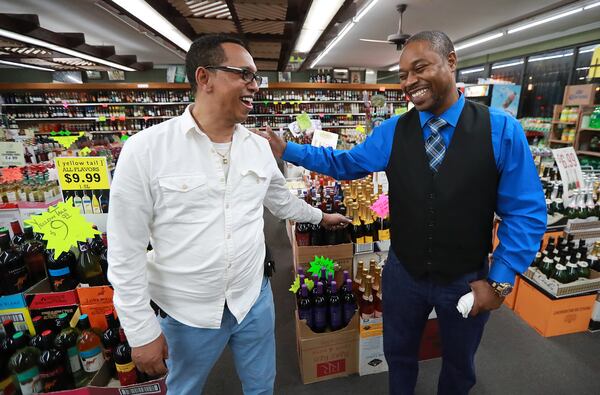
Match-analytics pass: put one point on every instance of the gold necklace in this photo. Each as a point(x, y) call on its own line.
point(224, 157)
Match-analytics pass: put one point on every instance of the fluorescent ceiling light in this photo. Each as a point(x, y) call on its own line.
point(375, 41)
point(550, 57)
point(545, 20)
point(340, 70)
point(470, 71)
point(364, 11)
point(144, 12)
point(587, 7)
point(587, 50)
point(319, 16)
point(582, 68)
point(501, 66)
point(24, 65)
point(332, 44)
point(57, 48)
point(344, 31)
point(478, 41)
point(394, 68)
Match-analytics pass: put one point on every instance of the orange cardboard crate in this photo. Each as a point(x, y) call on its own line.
point(553, 317)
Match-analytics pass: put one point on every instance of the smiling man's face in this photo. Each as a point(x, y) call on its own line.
point(427, 78)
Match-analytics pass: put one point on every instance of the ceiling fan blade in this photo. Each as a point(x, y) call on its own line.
point(376, 41)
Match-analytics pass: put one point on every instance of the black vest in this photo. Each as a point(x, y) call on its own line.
point(441, 224)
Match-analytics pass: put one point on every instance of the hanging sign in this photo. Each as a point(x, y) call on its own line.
point(84, 173)
point(570, 171)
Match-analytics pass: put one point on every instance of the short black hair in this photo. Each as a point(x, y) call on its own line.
point(438, 41)
point(207, 51)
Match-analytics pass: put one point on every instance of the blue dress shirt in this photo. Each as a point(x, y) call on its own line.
point(520, 201)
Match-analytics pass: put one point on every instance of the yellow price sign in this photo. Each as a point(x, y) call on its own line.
point(62, 226)
point(83, 173)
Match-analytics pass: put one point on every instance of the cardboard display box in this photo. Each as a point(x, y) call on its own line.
point(96, 302)
point(340, 253)
point(553, 317)
point(558, 290)
point(510, 300)
point(14, 307)
point(324, 356)
point(42, 301)
point(370, 347)
point(579, 94)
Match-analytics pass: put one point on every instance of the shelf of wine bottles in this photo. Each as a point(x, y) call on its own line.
point(568, 260)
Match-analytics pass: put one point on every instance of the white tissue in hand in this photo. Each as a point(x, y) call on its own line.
point(465, 304)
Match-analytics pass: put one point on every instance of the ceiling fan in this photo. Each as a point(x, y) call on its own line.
point(397, 38)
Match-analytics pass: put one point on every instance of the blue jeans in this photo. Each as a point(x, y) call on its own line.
point(194, 351)
point(407, 303)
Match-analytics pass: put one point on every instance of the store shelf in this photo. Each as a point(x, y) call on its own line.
point(561, 142)
point(90, 118)
point(589, 153)
point(340, 127)
point(564, 123)
point(295, 114)
point(589, 130)
point(96, 104)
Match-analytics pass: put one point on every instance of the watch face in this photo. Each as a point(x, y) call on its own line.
point(505, 291)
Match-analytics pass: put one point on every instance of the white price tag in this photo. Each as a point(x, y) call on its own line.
point(570, 171)
point(322, 138)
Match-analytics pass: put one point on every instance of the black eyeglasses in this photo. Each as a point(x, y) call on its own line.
point(247, 75)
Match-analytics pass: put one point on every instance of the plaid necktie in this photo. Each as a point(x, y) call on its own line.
point(434, 145)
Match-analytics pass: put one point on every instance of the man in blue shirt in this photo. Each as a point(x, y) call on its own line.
point(451, 164)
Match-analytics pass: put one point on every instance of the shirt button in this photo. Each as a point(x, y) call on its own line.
point(226, 205)
point(229, 235)
point(429, 263)
point(432, 196)
point(184, 187)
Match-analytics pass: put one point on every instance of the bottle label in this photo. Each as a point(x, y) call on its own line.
point(320, 317)
point(92, 360)
point(367, 239)
point(59, 272)
point(384, 234)
point(29, 381)
point(74, 359)
point(365, 316)
point(7, 386)
point(127, 373)
point(349, 310)
point(335, 314)
point(128, 367)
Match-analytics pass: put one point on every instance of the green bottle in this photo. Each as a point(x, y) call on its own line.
point(24, 364)
point(66, 341)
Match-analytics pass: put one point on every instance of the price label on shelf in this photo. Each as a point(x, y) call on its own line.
point(570, 171)
point(83, 173)
point(12, 154)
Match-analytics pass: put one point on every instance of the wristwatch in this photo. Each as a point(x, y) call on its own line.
point(501, 289)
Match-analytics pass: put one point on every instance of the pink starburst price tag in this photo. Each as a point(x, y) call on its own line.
point(381, 207)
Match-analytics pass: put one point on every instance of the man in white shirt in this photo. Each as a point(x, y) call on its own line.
point(195, 187)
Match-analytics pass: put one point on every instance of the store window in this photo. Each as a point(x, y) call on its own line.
point(472, 74)
point(508, 70)
point(583, 64)
point(545, 80)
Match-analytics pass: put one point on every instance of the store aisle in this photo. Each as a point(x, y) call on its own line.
point(513, 358)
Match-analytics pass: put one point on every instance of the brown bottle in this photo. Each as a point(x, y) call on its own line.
point(89, 347)
point(367, 306)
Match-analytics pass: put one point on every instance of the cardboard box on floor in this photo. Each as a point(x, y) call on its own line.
point(98, 386)
point(553, 317)
point(324, 356)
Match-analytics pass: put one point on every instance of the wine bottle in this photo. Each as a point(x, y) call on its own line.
point(60, 276)
point(319, 310)
point(53, 364)
point(126, 369)
point(24, 364)
point(349, 302)
point(14, 276)
point(66, 341)
point(89, 270)
point(305, 311)
point(110, 339)
point(38, 326)
point(336, 319)
point(33, 255)
point(89, 347)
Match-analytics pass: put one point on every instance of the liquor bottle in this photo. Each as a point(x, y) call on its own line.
point(89, 270)
point(349, 302)
point(303, 234)
point(305, 311)
point(343, 234)
point(60, 273)
point(96, 244)
point(378, 299)
point(367, 307)
point(319, 310)
point(359, 276)
point(572, 269)
point(110, 339)
point(38, 326)
point(383, 229)
point(53, 365)
point(78, 202)
point(89, 347)
point(323, 278)
point(368, 225)
point(336, 318)
point(366, 279)
point(344, 288)
point(96, 206)
point(14, 276)
point(316, 235)
point(356, 227)
point(33, 255)
point(87, 203)
point(8, 385)
point(7, 346)
point(24, 364)
point(126, 369)
point(18, 238)
point(301, 281)
point(66, 341)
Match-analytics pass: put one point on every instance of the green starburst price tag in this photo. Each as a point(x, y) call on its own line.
point(62, 226)
point(67, 140)
point(310, 284)
point(303, 121)
point(318, 263)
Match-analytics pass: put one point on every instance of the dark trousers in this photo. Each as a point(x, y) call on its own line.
point(407, 303)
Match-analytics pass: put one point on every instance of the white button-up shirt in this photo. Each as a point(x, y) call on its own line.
point(207, 230)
